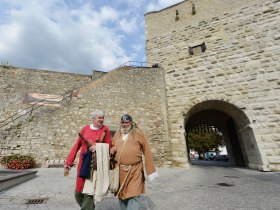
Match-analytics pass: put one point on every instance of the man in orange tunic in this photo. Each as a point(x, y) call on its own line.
point(92, 133)
point(129, 144)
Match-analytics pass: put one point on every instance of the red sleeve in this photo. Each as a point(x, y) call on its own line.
point(72, 155)
point(107, 138)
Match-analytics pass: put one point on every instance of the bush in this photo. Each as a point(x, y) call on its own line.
point(18, 161)
point(6, 65)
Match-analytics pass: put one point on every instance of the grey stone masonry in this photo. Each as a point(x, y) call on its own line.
point(16, 82)
point(49, 133)
point(240, 67)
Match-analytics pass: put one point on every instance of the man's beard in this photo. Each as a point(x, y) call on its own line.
point(125, 130)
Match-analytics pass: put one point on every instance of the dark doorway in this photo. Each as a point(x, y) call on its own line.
point(214, 121)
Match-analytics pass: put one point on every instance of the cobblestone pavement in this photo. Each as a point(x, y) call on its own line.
point(201, 187)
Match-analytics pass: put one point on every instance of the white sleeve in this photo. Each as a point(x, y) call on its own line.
point(152, 176)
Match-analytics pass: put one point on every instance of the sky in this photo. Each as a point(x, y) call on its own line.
point(75, 36)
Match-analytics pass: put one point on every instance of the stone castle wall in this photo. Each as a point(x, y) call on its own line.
point(163, 21)
point(238, 73)
point(50, 132)
point(16, 82)
point(240, 65)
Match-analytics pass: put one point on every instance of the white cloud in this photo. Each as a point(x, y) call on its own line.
point(52, 36)
point(129, 25)
point(132, 3)
point(108, 14)
point(74, 35)
point(161, 4)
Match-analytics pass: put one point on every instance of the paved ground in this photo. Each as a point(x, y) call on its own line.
point(201, 187)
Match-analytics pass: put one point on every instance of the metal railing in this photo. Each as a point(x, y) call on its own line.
point(136, 64)
point(66, 95)
point(38, 104)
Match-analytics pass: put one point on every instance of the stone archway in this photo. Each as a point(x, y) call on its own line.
point(235, 126)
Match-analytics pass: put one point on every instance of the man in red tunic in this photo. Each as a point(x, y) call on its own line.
point(92, 133)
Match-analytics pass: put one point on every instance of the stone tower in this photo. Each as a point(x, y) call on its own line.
point(220, 60)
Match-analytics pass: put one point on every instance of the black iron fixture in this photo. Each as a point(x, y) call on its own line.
point(197, 48)
point(193, 9)
point(177, 15)
point(155, 65)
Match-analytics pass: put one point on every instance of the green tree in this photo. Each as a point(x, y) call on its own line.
point(203, 142)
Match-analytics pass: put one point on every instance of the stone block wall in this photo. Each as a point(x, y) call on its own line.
point(240, 65)
point(50, 133)
point(16, 82)
point(163, 21)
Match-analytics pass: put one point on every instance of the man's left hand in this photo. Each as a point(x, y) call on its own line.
point(92, 148)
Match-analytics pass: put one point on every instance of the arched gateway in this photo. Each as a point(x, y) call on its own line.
point(235, 126)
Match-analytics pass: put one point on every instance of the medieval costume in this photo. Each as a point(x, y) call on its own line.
point(131, 147)
point(92, 134)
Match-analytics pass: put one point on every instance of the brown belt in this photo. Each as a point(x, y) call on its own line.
point(126, 168)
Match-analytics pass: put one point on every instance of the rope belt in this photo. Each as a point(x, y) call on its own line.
point(126, 168)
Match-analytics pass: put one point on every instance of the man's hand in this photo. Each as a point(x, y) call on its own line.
point(92, 148)
point(113, 150)
point(67, 167)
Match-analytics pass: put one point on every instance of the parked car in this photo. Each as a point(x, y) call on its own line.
point(210, 155)
point(222, 158)
point(194, 156)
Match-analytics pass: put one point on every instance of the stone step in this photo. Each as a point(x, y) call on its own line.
point(55, 163)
